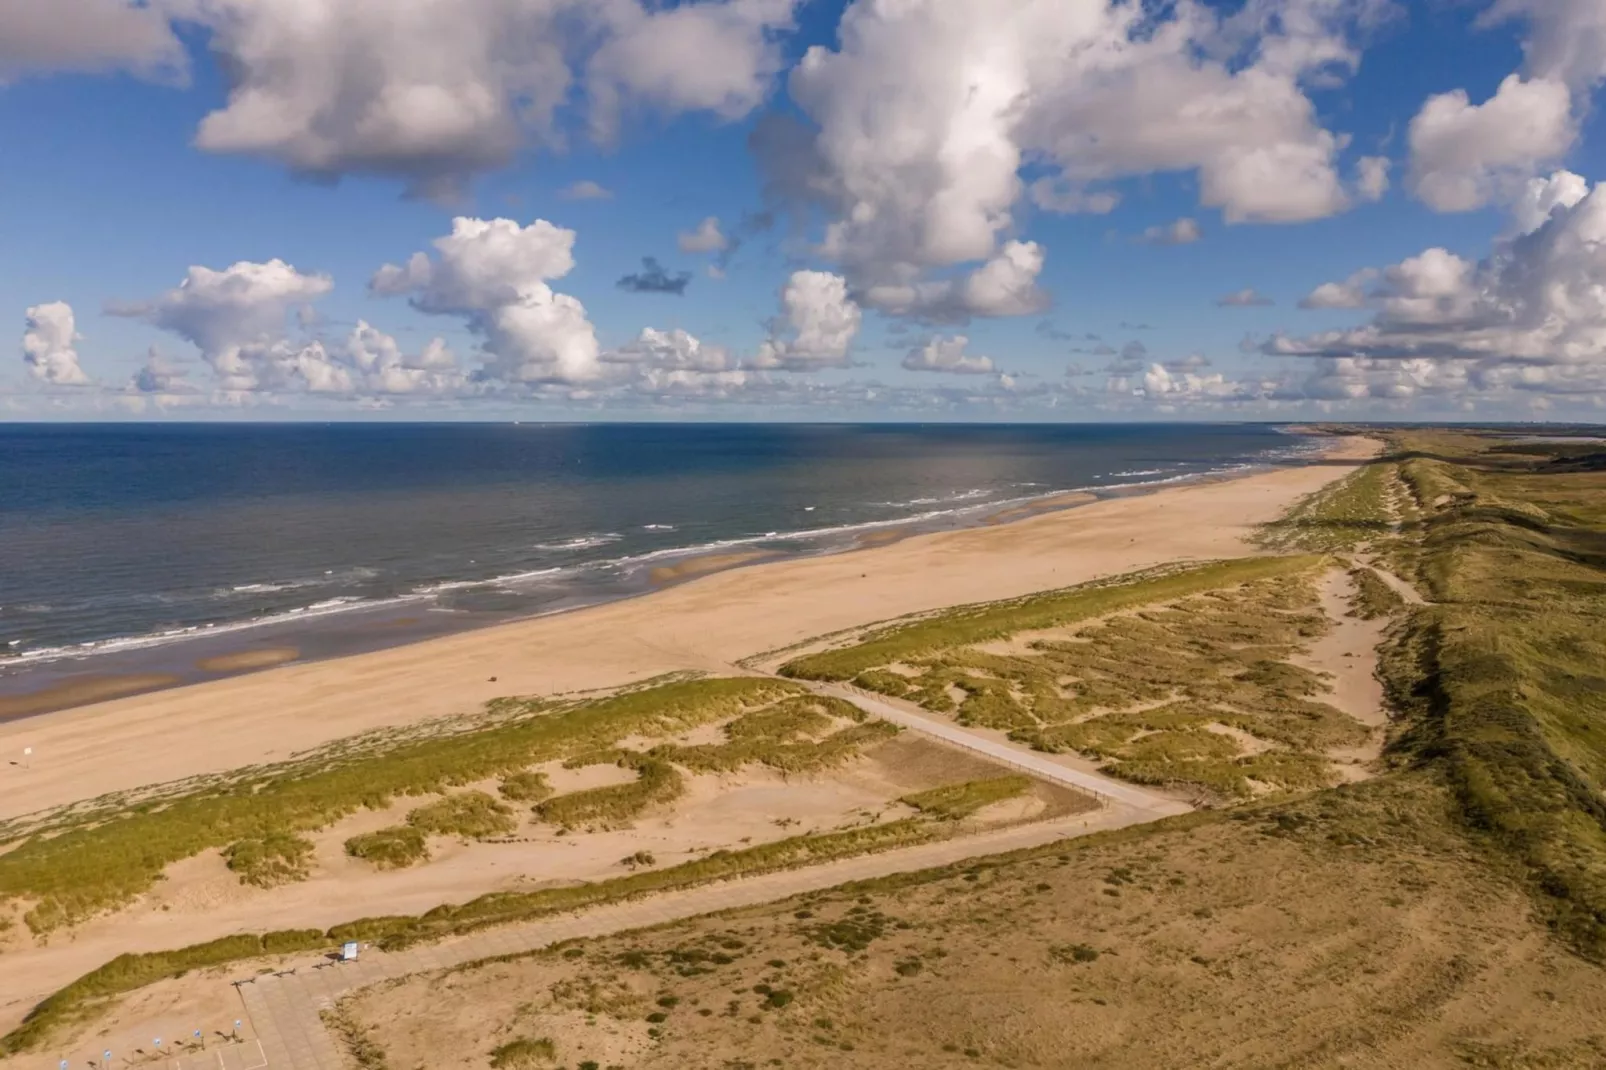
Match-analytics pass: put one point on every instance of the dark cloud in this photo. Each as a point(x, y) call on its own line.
point(653, 279)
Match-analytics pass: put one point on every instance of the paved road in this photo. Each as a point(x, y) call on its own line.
point(1107, 790)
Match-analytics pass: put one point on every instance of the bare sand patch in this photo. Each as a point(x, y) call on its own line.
point(1347, 654)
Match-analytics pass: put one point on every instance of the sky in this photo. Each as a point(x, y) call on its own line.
point(1033, 210)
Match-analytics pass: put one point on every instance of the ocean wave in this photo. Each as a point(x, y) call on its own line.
point(164, 636)
point(513, 578)
point(943, 499)
point(1137, 472)
point(269, 588)
point(657, 527)
point(583, 542)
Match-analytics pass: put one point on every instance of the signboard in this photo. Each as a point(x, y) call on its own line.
point(348, 952)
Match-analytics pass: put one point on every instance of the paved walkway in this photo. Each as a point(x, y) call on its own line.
point(1103, 788)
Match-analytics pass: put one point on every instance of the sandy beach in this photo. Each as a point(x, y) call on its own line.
point(708, 623)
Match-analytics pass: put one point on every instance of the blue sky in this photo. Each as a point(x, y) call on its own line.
point(111, 197)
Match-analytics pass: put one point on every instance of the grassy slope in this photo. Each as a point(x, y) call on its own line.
point(1505, 674)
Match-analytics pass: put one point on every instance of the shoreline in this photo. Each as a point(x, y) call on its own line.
point(706, 623)
point(148, 664)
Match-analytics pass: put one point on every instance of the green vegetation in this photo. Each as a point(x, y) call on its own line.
point(272, 859)
point(1373, 597)
point(1341, 516)
point(656, 782)
point(961, 800)
point(523, 1053)
point(527, 786)
point(972, 625)
point(125, 973)
point(395, 847)
point(1180, 678)
point(778, 736)
point(1502, 676)
point(473, 815)
point(87, 860)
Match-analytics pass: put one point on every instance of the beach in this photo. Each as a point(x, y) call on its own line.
point(704, 624)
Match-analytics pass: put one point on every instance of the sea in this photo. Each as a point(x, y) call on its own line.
point(149, 547)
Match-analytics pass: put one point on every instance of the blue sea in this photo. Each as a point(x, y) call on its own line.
point(140, 546)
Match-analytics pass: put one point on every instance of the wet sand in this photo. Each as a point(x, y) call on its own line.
point(246, 660)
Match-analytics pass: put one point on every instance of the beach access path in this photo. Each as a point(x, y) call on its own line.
point(1106, 790)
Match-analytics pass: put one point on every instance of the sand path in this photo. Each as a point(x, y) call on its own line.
point(709, 623)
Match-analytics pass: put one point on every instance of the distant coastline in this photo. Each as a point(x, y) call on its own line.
point(32, 686)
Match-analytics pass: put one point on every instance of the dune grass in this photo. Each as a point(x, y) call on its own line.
point(1343, 515)
point(528, 786)
point(1373, 598)
point(524, 1053)
point(272, 859)
point(975, 624)
point(472, 815)
point(783, 737)
point(396, 847)
point(90, 861)
point(1503, 677)
point(955, 801)
point(1179, 678)
point(656, 782)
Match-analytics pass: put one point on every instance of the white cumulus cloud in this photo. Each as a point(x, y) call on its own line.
point(494, 274)
point(236, 318)
point(922, 116)
point(48, 341)
point(673, 350)
point(1351, 293)
point(947, 355)
point(1464, 155)
point(822, 320)
point(1531, 316)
